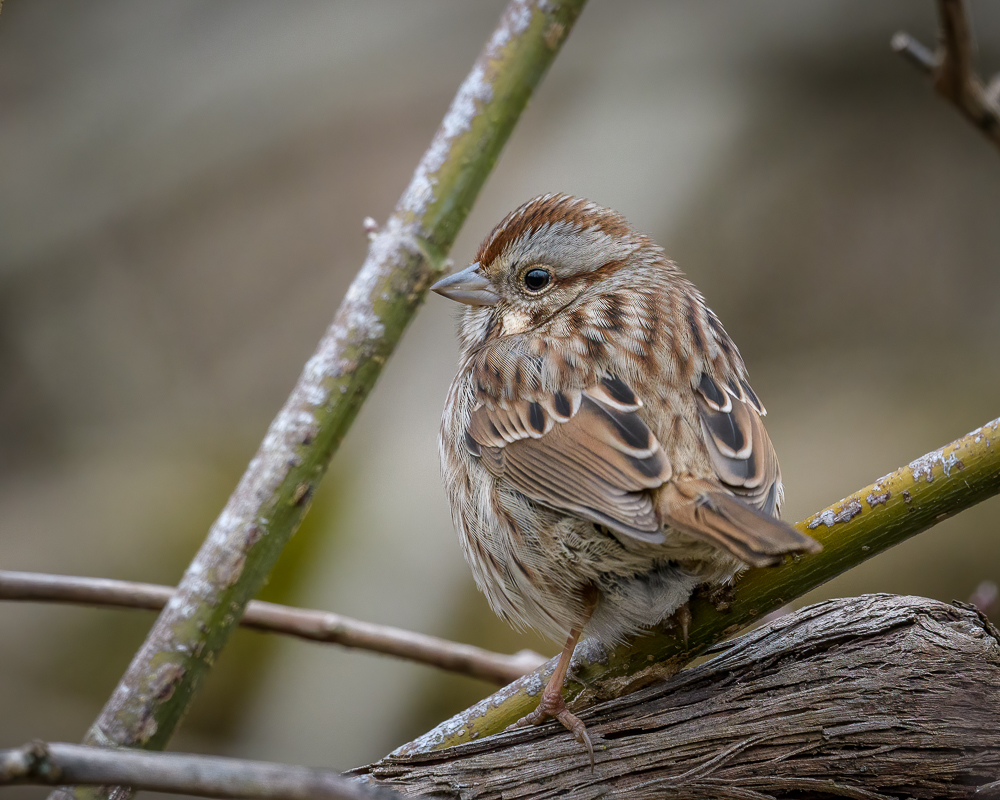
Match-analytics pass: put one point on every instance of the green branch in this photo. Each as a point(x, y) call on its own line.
point(894, 508)
point(273, 495)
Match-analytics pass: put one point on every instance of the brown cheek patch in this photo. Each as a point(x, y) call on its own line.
point(588, 279)
point(538, 316)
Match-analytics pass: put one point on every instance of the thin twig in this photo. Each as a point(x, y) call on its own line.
point(316, 626)
point(897, 506)
point(266, 508)
point(951, 68)
point(54, 763)
point(914, 51)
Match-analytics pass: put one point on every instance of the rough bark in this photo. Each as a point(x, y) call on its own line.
point(878, 696)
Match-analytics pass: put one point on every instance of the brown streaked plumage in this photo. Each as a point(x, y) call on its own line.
point(601, 446)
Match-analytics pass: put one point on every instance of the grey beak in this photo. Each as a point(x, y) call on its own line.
point(468, 286)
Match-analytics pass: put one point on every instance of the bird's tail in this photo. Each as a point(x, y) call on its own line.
point(712, 514)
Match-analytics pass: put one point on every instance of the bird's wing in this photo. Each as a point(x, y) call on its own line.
point(738, 512)
point(738, 446)
point(583, 451)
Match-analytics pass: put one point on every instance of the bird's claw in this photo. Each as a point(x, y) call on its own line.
point(555, 708)
point(575, 725)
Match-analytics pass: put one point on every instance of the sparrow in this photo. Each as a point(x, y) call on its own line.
point(602, 450)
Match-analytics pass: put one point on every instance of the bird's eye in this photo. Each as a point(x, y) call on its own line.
point(537, 279)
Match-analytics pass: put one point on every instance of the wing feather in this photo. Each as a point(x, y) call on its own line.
point(738, 446)
point(585, 452)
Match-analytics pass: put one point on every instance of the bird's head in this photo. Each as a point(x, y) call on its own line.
point(541, 259)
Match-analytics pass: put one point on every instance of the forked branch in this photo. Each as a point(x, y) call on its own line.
point(952, 71)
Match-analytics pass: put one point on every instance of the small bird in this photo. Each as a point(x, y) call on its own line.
point(601, 447)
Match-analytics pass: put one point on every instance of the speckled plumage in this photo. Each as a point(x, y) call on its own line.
point(601, 447)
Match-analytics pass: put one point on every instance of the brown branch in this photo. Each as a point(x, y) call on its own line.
point(877, 696)
point(52, 763)
point(951, 68)
point(316, 626)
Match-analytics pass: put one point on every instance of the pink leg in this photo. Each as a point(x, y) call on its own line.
point(552, 703)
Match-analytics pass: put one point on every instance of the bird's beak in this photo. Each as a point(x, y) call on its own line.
point(468, 286)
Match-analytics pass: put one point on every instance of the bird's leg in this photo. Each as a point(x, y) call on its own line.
point(552, 703)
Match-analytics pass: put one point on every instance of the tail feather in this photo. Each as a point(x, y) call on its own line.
point(714, 515)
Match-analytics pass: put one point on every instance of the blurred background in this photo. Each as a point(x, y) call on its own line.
point(181, 212)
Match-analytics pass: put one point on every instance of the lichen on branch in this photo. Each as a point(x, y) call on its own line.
point(897, 506)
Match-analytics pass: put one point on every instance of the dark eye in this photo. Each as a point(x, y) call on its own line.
point(536, 279)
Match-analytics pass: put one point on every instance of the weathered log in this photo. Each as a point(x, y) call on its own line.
point(877, 696)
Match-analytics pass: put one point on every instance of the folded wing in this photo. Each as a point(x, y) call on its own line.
point(738, 446)
point(587, 452)
point(738, 511)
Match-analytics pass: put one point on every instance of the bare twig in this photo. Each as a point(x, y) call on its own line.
point(316, 626)
point(914, 51)
point(951, 68)
point(873, 697)
point(267, 506)
point(894, 508)
point(54, 763)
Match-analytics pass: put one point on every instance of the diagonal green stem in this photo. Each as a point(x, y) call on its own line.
point(894, 508)
point(273, 495)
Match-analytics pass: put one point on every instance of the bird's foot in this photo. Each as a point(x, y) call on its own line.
point(553, 706)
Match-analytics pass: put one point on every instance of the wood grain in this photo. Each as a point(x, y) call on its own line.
point(878, 696)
